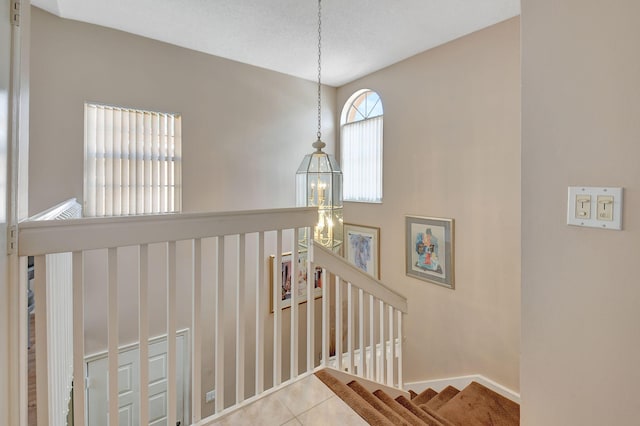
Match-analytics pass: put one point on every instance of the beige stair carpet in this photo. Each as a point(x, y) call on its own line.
point(435, 415)
point(477, 405)
point(377, 404)
point(424, 396)
point(418, 412)
point(355, 401)
point(442, 398)
point(395, 406)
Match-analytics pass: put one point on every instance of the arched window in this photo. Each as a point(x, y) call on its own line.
point(361, 147)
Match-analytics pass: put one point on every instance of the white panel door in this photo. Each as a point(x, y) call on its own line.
point(128, 386)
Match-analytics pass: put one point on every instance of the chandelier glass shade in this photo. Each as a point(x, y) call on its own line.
point(319, 184)
point(319, 179)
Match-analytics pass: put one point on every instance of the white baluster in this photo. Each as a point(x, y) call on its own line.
point(196, 329)
point(277, 313)
point(373, 354)
point(240, 314)
point(383, 348)
point(400, 344)
point(392, 349)
point(78, 338)
point(113, 334)
point(325, 319)
point(171, 333)
point(293, 339)
point(219, 319)
point(42, 339)
point(350, 334)
point(361, 344)
point(338, 331)
point(260, 295)
point(311, 290)
point(143, 331)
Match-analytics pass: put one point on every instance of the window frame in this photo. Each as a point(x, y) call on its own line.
point(345, 122)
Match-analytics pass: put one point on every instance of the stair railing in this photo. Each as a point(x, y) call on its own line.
point(226, 257)
point(368, 342)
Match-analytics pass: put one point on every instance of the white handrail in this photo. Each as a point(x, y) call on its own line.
point(46, 237)
point(347, 272)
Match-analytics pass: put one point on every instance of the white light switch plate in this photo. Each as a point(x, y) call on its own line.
point(595, 218)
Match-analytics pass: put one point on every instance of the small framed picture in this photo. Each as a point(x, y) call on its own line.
point(429, 250)
point(290, 284)
point(362, 248)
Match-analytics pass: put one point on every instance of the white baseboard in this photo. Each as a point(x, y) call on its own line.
point(461, 383)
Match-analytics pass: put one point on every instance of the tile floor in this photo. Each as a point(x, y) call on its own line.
point(306, 402)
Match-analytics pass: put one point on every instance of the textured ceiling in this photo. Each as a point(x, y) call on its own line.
point(359, 36)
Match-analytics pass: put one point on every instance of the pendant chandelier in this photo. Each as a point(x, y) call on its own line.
point(319, 180)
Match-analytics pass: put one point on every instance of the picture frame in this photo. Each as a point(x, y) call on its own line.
point(301, 284)
point(362, 248)
point(430, 250)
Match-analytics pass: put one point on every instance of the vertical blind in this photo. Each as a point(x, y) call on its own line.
point(132, 161)
point(361, 155)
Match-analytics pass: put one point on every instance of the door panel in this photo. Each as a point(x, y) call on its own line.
point(128, 386)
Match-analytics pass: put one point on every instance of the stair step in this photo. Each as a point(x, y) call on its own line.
point(355, 401)
point(424, 396)
point(442, 398)
point(477, 405)
point(383, 408)
point(411, 418)
point(436, 415)
point(418, 412)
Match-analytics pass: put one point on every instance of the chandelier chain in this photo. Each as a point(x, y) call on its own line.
point(319, 68)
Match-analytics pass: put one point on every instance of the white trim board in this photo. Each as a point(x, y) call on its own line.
point(134, 345)
point(461, 383)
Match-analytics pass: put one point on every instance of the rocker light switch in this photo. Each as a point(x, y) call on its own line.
point(605, 207)
point(595, 207)
point(583, 206)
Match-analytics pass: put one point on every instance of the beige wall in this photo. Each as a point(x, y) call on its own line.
point(580, 293)
point(245, 129)
point(452, 149)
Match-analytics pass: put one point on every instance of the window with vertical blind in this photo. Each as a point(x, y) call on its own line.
point(132, 161)
point(361, 147)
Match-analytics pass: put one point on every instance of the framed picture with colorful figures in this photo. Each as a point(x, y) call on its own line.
point(290, 283)
point(430, 250)
point(362, 248)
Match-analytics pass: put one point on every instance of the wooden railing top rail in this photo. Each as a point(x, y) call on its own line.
point(58, 236)
point(339, 266)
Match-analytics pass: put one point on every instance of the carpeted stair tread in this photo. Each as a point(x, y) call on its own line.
point(355, 401)
point(477, 405)
point(435, 415)
point(424, 396)
point(418, 412)
point(442, 398)
point(412, 394)
point(407, 415)
point(383, 408)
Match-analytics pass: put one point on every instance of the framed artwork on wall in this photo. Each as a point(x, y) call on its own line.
point(362, 248)
point(290, 284)
point(430, 250)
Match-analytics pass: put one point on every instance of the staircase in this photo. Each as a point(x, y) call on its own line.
point(475, 405)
